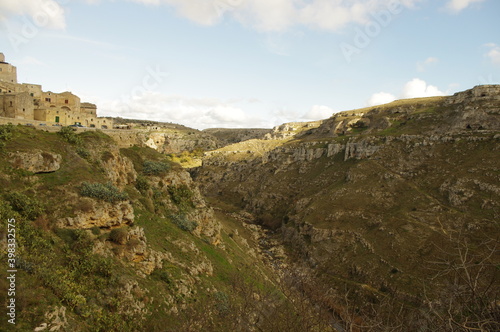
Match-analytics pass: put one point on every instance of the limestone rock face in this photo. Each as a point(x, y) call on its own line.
point(131, 305)
point(56, 316)
point(144, 258)
point(360, 150)
point(100, 214)
point(202, 214)
point(478, 93)
point(175, 143)
point(208, 226)
point(120, 170)
point(36, 161)
point(165, 141)
point(289, 130)
point(476, 109)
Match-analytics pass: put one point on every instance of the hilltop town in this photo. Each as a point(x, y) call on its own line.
point(27, 103)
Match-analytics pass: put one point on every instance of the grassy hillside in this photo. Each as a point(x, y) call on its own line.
point(379, 219)
point(172, 266)
point(393, 211)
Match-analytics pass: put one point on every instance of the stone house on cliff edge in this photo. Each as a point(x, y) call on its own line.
point(29, 102)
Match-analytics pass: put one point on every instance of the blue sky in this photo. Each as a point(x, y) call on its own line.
point(250, 63)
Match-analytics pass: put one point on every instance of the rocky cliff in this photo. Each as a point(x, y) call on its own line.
point(117, 238)
point(232, 136)
point(165, 140)
point(381, 203)
point(378, 219)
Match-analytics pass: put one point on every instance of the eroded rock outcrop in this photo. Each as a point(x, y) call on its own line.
point(36, 161)
point(56, 318)
point(119, 169)
point(170, 141)
point(93, 213)
point(201, 213)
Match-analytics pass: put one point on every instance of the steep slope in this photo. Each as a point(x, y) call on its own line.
point(231, 136)
point(379, 219)
point(120, 239)
point(393, 210)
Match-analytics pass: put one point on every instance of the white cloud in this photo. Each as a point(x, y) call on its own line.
point(494, 53)
point(380, 98)
point(198, 113)
point(264, 15)
point(415, 88)
point(422, 65)
point(226, 114)
point(418, 88)
point(456, 6)
point(318, 112)
point(46, 13)
point(279, 15)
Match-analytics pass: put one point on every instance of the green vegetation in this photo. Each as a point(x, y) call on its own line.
point(70, 135)
point(28, 207)
point(83, 152)
point(90, 272)
point(106, 156)
point(142, 183)
point(5, 133)
point(156, 162)
point(96, 230)
point(394, 129)
point(162, 275)
point(187, 159)
point(183, 222)
point(155, 167)
point(182, 196)
point(402, 240)
point(106, 192)
point(119, 235)
point(95, 137)
point(77, 278)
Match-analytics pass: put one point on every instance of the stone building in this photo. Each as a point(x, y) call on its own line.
point(8, 72)
point(17, 105)
point(29, 102)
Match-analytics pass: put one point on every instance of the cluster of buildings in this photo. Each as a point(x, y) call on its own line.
point(29, 102)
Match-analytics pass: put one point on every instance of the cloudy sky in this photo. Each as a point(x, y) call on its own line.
point(250, 63)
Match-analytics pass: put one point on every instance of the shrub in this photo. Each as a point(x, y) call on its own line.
point(222, 303)
point(96, 230)
point(106, 192)
point(68, 235)
point(161, 275)
point(70, 136)
point(6, 132)
point(183, 223)
point(142, 184)
point(181, 195)
point(82, 152)
point(6, 211)
point(155, 167)
point(27, 207)
point(119, 235)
